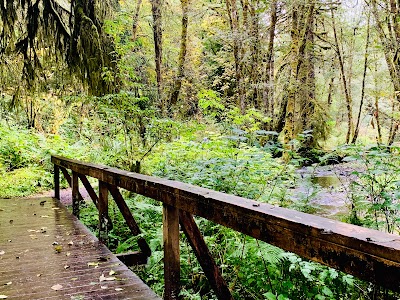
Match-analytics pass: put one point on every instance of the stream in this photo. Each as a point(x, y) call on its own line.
point(326, 187)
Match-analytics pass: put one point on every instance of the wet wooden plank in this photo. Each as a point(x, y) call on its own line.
point(368, 254)
point(42, 245)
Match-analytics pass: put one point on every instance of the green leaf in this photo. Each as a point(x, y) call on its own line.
point(327, 291)
point(269, 296)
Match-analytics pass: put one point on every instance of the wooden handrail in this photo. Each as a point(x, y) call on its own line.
point(366, 253)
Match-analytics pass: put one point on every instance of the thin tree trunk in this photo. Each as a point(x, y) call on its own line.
point(182, 53)
point(363, 84)
point(231, 6)
point(378, 123)
point(255, 50)
point(268, 92)
point(344, 80)
point(394, 125)
point(157, 33)
point(330, 90)
point(135, 20)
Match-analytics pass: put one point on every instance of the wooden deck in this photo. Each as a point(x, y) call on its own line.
point(46, 253)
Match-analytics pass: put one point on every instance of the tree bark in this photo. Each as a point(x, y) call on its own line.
point(344, 81)
point(182, 53)
point(231, 6)
point(355, 136)
point(157, 34)
point(268, 91)
point(135, 20)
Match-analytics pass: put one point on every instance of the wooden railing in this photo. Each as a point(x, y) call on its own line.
point(368, 254)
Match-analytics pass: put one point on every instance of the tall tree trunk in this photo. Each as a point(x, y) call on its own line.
point(182, 53)
point(394, 125)
point(268, 91)
point(157, 33)
point(388, 28)
point(345, 83)
point(255, 77)
point(231, 6)
point(135, 20)
point(301, 71)
point(363, 84)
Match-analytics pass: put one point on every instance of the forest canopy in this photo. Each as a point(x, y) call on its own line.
point(302, 69)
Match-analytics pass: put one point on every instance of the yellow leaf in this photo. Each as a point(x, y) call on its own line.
point(57, 287)
point(104, 278)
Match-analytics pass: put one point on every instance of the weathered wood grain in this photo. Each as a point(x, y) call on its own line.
point(204, 256)
point(171, 252)
point(130, 220)
point(32, 264)
point(76, 198)
point(57, 182)
point(368, 254)
point(89, 189)
point(103, 212)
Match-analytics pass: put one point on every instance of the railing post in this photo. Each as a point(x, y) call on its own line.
point(103, 212)
point(171, 252)
point(56, 182)
point(75, 194)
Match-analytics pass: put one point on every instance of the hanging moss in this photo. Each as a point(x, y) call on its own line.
point(73, 35)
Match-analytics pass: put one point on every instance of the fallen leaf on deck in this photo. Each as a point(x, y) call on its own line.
point(68, 254)
point(104, 287)
point(57, 287)
point(3, 297)
point(2, 252)
point(112, 272)
point(58, 248)
point(70, 243)
point(8, 283)
point(104, 278)
point(66, 267)
point(74, 278)
point(55, 208)
point(119, 289)
point(93, 264)
point(45, 216)
point(38, 275)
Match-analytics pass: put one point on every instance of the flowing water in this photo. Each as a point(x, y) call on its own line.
point(326, 187)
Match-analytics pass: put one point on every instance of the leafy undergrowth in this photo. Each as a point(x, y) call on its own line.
point(222, 161)
point(253, 269)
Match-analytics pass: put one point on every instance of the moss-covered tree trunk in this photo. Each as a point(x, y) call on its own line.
point(182, 53)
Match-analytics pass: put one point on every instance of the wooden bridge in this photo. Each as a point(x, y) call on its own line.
point(46, 253)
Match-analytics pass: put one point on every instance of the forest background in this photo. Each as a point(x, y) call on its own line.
point(232, 95)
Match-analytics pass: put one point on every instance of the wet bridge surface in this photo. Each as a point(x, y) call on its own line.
point(46, 253)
